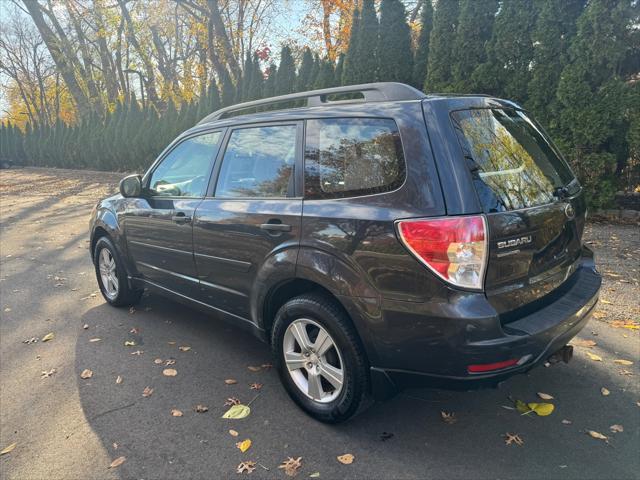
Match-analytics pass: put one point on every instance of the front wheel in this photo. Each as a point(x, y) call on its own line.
point(112, 275)
point(319, 357)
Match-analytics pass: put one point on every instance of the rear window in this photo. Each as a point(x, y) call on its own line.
point(352, 156)
point(512, 164)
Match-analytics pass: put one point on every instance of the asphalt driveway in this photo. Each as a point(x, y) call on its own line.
point(67, 427)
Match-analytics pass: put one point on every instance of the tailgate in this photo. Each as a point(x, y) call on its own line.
point(534, 206)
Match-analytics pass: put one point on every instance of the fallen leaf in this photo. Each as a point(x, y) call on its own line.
point(114, 445)
point(541, 409)
point(266, 366)
point(170, 361)
point(616, 428)
point(147, 391)
point(232, 401)
point(599, 315)
point(201, 408)
point(630, 324)
point(230, 381)
point(291, 466)
point(134, 330)
point(118, 380)
point(595, 358)
point(522, 407)
point(8, 449)
point(255, 386)
point(244, 445)
point(233, 433)
point(246, 467)
point(7, 309)
point(513, 438)
point(254, 369)
point(315, 475)
point(132, 310)
point(606, 302)
point(158, 361)
point(623, 362)
point(48, 374)
point(169, 372)
point(567, 422)
point(605, 392)
point(346, 459)
point(237, 411)
point(583, 343)
point(597, 435)
point(137, 352)
point(184, 348)
point(48, 336)
point(92, 340)
point(171, 343)
point(117, 462)
point(86, 373)
point(625, 372)
point(449, 418)
point(129, 343)
point(176, 413)
point(545, 396)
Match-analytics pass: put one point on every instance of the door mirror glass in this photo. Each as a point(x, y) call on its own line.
point(131, 186)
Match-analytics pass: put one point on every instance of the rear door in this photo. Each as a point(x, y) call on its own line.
point(534, 206)
point(253, 212)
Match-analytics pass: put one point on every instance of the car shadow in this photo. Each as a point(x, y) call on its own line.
point(404, 437)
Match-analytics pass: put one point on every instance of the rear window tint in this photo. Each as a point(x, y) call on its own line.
point(352, 156)
point(513, 165)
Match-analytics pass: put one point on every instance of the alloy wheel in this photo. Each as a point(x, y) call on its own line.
point(313, 360)
point(108, 273)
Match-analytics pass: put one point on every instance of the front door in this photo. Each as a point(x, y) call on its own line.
point(159, 226)
point(254, 214)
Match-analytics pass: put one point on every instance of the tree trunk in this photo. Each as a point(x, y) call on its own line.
point(62, 62)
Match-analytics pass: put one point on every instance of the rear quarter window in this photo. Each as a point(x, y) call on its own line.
point(346, 157)
point(513, 165)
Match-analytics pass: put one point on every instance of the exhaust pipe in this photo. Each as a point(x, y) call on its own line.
point(565, 354)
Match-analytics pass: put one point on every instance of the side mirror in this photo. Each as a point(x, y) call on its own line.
point(131, 186)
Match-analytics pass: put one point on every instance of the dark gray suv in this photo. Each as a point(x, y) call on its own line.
point(375, 236)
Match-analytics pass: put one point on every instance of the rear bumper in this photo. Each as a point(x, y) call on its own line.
point(443, 354)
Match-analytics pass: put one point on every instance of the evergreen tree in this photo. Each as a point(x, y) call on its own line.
point(554, 30)
point(228, 90)
point(422, 49)
point(475, 24)
point(325, 77)
point(350, 65)
point(305, 74)
point(245, 80)
point(338, 80)
point(286, 76)
point(394, 55)
point(594, 98)
point(270, 82)
point(510, 53)
point(368, 43)
point(315, 71)
point(445, 19)
point(257, 80)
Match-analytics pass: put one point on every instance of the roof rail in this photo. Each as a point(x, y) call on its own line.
point(369, 92)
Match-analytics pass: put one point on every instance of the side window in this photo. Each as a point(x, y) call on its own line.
point(184, 172)
point(258, 162)
point(352, 156)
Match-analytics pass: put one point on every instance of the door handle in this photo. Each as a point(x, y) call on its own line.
point(180, 218)
point(275, 227)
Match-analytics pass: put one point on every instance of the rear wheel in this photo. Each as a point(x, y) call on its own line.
point(319, 358)
point(112, 275)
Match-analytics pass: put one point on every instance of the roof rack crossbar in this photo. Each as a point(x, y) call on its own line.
point(371, 92)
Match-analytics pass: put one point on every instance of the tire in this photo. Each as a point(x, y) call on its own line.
point(327, 403)
point(122, 295)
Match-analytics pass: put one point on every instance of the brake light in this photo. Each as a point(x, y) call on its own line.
point(490, 367)
point(453, 248)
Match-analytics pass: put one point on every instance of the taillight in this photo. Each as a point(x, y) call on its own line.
point(454, 248)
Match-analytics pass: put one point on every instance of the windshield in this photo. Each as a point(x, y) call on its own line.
point(513, 165)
